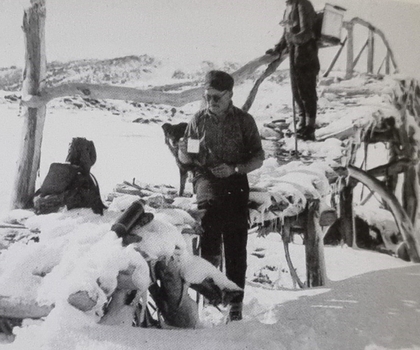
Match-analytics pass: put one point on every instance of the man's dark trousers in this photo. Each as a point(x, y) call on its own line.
point(223, 203)
point(304, 69)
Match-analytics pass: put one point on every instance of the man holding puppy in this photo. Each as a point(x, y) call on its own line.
point(223, 144)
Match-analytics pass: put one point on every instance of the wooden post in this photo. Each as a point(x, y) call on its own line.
point(34, 76)
point(314, 248)
point(371, 49)
point(346, 214)
point(387, 62)
point(349, 65)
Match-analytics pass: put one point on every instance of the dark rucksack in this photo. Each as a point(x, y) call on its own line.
point(71, 185)
point(82, 152)
point(318, 25)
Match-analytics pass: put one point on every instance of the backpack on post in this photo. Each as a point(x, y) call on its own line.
point(71, 184)
point(82, 152)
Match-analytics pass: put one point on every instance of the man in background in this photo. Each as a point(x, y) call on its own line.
point(223, 144)
point(300, 40)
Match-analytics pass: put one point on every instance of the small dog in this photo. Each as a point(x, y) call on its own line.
point(172, 135)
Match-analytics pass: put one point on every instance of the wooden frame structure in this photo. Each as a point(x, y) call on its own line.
point(351, 62)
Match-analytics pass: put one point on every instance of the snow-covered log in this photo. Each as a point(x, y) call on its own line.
point(19, 308)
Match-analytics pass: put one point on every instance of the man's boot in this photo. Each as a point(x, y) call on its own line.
point(235, 312)
point(300, 122)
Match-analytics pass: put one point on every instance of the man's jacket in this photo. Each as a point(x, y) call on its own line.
point(299, 35)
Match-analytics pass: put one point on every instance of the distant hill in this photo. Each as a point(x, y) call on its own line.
point(129, 71)
point(117, 71)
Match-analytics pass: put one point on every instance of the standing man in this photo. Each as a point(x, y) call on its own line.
point(224, 144)
point(300, 40)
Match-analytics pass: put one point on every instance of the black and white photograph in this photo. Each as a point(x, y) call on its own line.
point(184, 174)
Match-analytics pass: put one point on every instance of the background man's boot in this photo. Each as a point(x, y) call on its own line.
point(308, 133)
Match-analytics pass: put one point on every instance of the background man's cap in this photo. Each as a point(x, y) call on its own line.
point(218, 80)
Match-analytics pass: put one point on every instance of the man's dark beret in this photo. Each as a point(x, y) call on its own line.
point(218, 80)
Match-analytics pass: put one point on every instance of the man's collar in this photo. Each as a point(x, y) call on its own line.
point(222, 117)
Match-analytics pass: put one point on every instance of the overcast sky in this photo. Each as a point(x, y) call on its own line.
point(188, 31)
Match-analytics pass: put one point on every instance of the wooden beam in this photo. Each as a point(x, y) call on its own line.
point(335, 58)
point(350, 44)
point(371, 51)
point(392, 168)
point(270, 70)
point(402, 220)
point(33, 126)
point(360, 53)
point(97, 91)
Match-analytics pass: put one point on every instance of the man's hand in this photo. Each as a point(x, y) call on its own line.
point(271, 52)
point(223, 170)
point(182, 145)
point(183, 156)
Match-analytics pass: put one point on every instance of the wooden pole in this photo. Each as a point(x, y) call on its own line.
point(360, 53)
point(387, 62)
point(34, 77)
point(314, 248)
point(270, 70)
point(349, 66)
point(347, 214)
point(334, 60)
point(371, 51)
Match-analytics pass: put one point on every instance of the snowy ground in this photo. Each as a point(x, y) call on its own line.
point(129, 150)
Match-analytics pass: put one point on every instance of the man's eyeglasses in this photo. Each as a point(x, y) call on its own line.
point(215, 98)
